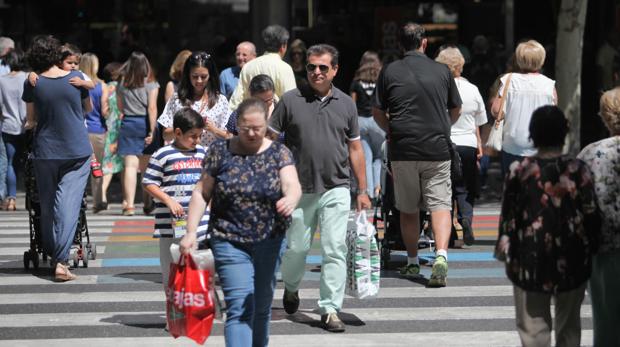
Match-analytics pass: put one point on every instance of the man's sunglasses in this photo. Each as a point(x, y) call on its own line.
point(312, 68)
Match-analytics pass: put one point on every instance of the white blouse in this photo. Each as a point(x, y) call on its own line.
point(473, 114)
point(218, 114)
point(526, 93)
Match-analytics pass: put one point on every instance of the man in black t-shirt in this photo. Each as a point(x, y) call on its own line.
point(422, 101)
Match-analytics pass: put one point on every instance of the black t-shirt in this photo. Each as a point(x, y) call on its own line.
point(363, 91)
point(417, 93)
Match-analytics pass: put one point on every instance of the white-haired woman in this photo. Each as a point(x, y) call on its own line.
point(465, 134)
point(527, 91)
point(603, 157)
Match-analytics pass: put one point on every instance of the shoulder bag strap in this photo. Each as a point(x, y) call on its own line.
point(501, 115)
point(446, 122)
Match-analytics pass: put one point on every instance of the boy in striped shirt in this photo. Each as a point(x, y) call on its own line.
point(170, 178)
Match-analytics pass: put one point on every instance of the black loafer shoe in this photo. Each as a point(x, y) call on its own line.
point(290, 300)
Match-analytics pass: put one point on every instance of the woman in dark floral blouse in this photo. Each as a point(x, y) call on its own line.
point(603, 158)
point(548, 227)
point(253, 188)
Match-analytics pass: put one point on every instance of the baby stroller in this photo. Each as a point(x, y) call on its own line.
point(79, 251)
point(386, 212)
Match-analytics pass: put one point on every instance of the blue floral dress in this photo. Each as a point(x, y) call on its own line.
point(603, 158)
point(550, 215)
point(247, 187)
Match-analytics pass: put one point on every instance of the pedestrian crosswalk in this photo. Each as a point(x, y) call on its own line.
point(118, 300)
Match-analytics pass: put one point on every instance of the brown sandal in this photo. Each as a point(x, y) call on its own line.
point(129, 211)
point(62, 273)
point(12, 205)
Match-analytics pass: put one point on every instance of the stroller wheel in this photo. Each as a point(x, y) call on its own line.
point(92, 251)
point(34, 257)
point(27, 260)
point(385, 257)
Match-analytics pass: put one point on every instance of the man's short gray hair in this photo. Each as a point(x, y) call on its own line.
point(274, 37)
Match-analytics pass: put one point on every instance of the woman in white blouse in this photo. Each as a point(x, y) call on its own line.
point(465, 134)
point(202, 93)
point(528, 90)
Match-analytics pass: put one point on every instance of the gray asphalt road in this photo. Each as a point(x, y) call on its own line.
point(118, 299)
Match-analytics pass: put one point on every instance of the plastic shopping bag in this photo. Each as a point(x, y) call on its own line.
point(363, 262)
point(189, 304)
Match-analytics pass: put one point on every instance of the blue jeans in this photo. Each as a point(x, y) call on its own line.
point(12, 144)
point(3, 170)
point(372, 137)
point(61, 184)
point(247, 275)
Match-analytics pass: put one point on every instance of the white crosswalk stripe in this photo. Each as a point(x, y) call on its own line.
point(123, 305)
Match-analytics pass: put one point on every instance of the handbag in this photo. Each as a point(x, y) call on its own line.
point(190, 308)
point(363, 261)
point(497, 130)
point(456, 166)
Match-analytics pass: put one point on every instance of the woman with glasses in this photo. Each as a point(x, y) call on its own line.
point(253, 187)
point(202, 93)
point(261, 87)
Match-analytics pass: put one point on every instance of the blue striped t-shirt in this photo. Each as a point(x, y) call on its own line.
point(176, 172)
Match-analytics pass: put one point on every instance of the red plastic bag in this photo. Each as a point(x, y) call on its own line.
point(189, 305)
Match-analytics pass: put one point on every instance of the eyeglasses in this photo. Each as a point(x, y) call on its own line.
point(247, 129)
point(201, 55)
point(312, 68)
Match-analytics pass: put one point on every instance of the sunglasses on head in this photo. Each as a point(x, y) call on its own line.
point(201, 55)
point(312, 67)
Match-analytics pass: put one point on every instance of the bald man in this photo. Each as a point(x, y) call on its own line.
point(229, 78)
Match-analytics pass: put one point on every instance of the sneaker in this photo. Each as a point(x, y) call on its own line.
point(410, 271)
point(439, 273)
point(468, 233)
point(332, 323)
point(290, 300)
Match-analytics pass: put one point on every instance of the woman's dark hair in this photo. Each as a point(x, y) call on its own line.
point(249, 105)
point(187, 119)
point(43, 53)
point(548, 127)
point(112, 71)
point(260, 84)
point(15, 60)
point(136, 70)
point(68, 50)
point(186, 90)
point(368, 72)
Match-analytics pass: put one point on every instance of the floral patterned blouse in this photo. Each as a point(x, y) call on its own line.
point(246, 190)
point(550, 215)
point(218, 114)
point(603, 158)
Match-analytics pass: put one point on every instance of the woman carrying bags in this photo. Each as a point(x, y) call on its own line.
point(253, 187)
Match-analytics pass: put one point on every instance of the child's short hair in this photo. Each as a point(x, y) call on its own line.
point(68, 50)
point(187, 119)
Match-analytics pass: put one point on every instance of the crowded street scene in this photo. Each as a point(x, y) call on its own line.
point(309, 173)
